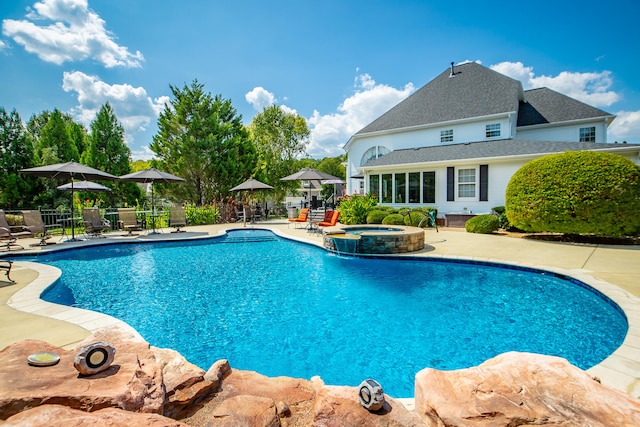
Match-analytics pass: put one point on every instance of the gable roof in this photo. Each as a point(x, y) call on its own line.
point(489, 149)
point(472, 91)
point(544, 105)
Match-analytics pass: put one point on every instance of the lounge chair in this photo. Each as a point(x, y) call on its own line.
point(127, 220)
point(177, 218)
point(33, 222)
point(335, 215)
point(6, 266)
point(302, 217)
point(93, 225)
point(9, 234)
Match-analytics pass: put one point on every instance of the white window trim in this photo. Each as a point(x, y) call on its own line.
point(446, 134)
point(499, 130)
point(595, 132)
point(476, 195)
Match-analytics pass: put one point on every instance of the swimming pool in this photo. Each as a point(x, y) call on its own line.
point(285, 308)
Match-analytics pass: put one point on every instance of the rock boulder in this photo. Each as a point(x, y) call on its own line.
point(521, 389)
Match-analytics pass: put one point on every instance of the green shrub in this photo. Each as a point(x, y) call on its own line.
point(354, 209)
point(482, 224)
point(376, 216)
point(200, 215)
point(393, 219)
point(581, 192)
point(501, 213)
point(414, 217)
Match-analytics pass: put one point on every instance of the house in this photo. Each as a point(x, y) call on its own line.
point(455, 143)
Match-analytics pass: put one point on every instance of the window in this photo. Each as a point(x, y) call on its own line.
point(401, 187)
point(373, 153)
point(493, 130)
point(446, 135)
point(588, 134)
point(414, 187)
point(387, 188)
point(466, 183)
point(374, 185)
point(428, 187)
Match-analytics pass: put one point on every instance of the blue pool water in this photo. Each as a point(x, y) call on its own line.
point(285, 308)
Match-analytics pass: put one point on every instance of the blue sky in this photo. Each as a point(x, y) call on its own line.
point(338, 63)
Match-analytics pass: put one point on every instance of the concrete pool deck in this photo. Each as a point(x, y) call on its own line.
point(613, 270)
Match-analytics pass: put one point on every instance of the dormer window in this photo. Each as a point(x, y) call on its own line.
point(588, 134)
point(493, 130)
point(446, 135)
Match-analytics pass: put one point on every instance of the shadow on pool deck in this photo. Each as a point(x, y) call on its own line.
point(614, 270)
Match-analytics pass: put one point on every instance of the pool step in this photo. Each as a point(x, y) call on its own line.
point(248, 239)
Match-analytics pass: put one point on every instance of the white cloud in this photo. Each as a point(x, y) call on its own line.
point(133, 107)
point(626, 127)
point(76, 33)
point(330, 132)
point(259, 98)
point(143, 153)
point(3, 45)
point(590, 88)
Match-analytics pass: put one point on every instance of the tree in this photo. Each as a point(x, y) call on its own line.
point(108, 152)
point(202, 139)
point(280, 138)
point(581, 192)
point(16, 152)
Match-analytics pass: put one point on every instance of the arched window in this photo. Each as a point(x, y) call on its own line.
point(373, 153)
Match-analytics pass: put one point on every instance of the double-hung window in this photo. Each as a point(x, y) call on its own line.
point(492, 130)
point(466, 183)
point(446, 135)
point(588, 134)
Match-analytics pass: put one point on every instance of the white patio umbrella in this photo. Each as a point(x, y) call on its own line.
point(309, 174)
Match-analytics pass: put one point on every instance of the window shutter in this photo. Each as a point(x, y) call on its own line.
point(451, 184)
point(484, 183)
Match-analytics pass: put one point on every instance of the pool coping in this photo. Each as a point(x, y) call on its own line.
point(620, 370)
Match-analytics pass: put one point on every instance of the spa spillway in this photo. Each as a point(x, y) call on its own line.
point(373, 239)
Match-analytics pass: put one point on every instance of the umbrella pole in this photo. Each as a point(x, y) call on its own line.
point(73, 223)
point(153, 209)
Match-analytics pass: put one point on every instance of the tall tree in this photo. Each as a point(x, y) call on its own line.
point(16, 152)
point(280, 138)
point(56, 134)
point(202, 139)
point(108, 152)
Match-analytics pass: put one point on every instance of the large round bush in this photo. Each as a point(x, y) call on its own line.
point(581, 192)
point(414, 217)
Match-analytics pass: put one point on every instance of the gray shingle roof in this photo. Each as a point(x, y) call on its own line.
point(486, 149)
point(547, 106)
point(473, 91)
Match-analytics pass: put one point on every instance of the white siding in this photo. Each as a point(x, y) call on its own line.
point(565, 133)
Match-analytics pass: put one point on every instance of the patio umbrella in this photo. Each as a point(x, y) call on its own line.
point(151, 176)
point(83, 186)
point(334, 182)
point(309, 174)
point(69, 170)
point(252, 185)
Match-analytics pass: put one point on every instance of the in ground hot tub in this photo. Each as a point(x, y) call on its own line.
point(373, 239)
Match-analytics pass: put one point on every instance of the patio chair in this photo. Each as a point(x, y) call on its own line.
point(177, 218)
point(93, 225)
point(302, 217)
point(6, 266)
point(127, 220)
point(335, 215)
point(9, 234)
point(33, 222)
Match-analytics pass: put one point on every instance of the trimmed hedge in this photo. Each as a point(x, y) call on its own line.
point(414, 217)
point(393, 219)
point(580, 192)
point(482, 224)
point(376, 216)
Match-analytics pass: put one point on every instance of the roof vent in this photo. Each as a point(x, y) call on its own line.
point(453, 73)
